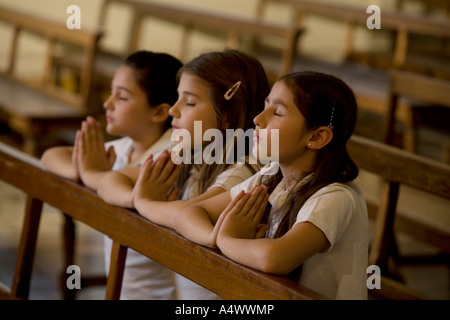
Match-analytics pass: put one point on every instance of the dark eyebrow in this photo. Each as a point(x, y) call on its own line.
point(189, 93)
point(277, 102)
point(123, 88)
point(120, 88)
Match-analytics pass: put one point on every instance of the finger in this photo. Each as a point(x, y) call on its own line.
point(92, 134)
point(167, 170)
point(84, 141)
point(174, 175)
point(261, 231)
point(253, 201)
point(173, 195)
point(146, 169)
point(111, 154)
point(76, 146)
point(261, 208)
point(99, 135)
point(159, 165)
point(230, 206)
point(82, 144)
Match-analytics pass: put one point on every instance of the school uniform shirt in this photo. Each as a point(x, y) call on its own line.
point(124, 146)
point(340, 212)
point(131, 287)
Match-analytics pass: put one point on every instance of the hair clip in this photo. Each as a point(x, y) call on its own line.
point(330, 125)
point(230, 93)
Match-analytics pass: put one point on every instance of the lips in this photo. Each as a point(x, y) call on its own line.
point(174, 127)
point(256, 136)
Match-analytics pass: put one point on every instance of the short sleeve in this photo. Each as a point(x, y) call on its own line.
point(331, 210)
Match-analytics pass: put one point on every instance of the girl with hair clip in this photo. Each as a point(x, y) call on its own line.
point(309, 220)
point(221, 90)
point(143, 89)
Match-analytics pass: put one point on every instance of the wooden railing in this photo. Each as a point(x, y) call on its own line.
point(128, 229)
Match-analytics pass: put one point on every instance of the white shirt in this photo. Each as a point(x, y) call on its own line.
point(124, 146)
point(340, 212)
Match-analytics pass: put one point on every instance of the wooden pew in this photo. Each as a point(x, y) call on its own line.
point(223, 26)
point(35, 108)
point(128, 229)
point(400, 23)
point(420, 92)
point(371, 85)
point(396, 168)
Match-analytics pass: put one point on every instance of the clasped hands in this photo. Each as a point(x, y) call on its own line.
point(89, 152)
point(240, 219)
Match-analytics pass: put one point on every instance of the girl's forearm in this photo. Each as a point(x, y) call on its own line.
point(92, 178)
point(59, 161)
point(116, 188)
point(159, 212)
point(253, 253)
point(195, 225)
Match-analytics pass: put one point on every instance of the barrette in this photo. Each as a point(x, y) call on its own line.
point(330, 125)
point(230, 93)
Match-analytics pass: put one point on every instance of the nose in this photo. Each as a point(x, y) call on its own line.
point(174, 111)
point(108, 103)
point(259, 120)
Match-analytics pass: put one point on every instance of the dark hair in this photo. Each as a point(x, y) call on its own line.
point(323, 100)
point(221, 70)
point(156, 75)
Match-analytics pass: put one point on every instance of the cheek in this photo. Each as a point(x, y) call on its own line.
point(267, 148)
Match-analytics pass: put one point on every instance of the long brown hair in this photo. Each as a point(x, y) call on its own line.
point(221, 70)
point(323, 100)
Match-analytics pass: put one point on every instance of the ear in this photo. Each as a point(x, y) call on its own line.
point(320, 138)
point(161, 112)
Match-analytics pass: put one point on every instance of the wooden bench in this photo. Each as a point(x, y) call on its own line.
point(400, 23)
point(128, 229)
point(396, 167)
point(36, 107)
point(228, 27)
point(371, 84)
point(421, 93)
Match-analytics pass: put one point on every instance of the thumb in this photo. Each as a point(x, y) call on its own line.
point(174, 195)
point(261, 231)
point(111, 155)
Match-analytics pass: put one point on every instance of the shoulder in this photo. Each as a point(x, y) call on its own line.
point(333, 208)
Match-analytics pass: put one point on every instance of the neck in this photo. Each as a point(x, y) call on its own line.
point(145, 141)
point(296, 169)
